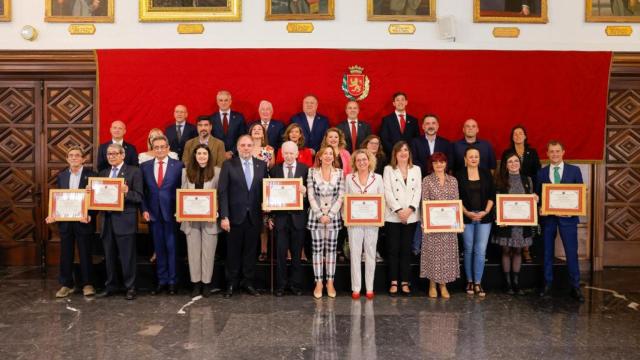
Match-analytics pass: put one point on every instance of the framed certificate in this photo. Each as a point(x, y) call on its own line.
point(442, 216)
point(282, 194)
point(363, 210)
point(516, 209)
point(68, 205)
point(196, 205)
point(106, 194)
point(564, 199)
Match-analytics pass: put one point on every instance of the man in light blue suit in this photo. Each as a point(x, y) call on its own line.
point(559, 172)
point(162, 177)
point(313, 125)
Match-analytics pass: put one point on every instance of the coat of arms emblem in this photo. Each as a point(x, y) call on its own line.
point(355, 84)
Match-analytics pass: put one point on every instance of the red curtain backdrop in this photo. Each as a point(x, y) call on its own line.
point(559, 95)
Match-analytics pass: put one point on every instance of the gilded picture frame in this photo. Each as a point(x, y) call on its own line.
point(510, 11)
point(401, 10)
point(299, 10)
point(79, 11)
point(612, 11)
point(200, 10)
point(5, 10)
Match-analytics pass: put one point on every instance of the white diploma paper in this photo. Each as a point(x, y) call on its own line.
point(443, 216)
point(105, 193)
point(196, 205)
point(280, 195)
point(516, 210)
point(564, 199)
point(69, 206)
point(364, 210)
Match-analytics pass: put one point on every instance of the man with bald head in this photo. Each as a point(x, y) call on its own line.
point(313, 125)
point(470, 130)
point(274, 128)
point(355, 131)
point(180, 131)
point(117, 130)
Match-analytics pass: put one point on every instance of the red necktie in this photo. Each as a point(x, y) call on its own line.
point(160, 173)
point(354, 136)
point(225, 123)
point(403, 123)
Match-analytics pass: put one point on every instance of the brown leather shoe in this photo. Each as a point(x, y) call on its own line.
point(64, 292)
point(88, 290)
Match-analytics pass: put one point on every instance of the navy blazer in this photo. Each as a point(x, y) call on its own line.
point(126, 222)
point(571, 174)
point(160, 202)
point(130, 155)
point(298, 217)
point(236, 201)
point(312, 139)
point(362, 132)
point(237, 127)
point(63, 183)
point(390, 131)
point(275, 132)
point(189, 131)
point(421, 152)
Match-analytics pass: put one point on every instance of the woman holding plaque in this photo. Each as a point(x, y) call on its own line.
point(202, 237)
point(334, 137)
point(478, 193)
point(149, 155)
point(325, 191)
point(439, 261)
point(372, 144)
point(363, 181)
point(294, 133)
point(402, 191)
point(512, 239)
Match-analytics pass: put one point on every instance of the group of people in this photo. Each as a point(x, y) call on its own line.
point(221, 153)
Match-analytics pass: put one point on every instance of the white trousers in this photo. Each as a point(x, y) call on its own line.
point(362, 238)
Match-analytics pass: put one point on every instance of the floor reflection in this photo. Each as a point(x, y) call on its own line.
point(362, 337)
point(324, 331)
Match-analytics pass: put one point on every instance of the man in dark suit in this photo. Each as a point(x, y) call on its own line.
point(289, 225)
point(180, 132)
point(76, 176)
point(240, 196)
point(559, 172)
point(423, 147)
point(355, 131)
point(228, 125)
point(117, 130)
point(162, 177)
point(275, 128)
point(398, 125)
point(118, 230)
point(313, 124)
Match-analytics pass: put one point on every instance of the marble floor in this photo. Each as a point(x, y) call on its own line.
point(35, 325)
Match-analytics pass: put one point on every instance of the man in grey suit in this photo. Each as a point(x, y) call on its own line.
point(355, 131)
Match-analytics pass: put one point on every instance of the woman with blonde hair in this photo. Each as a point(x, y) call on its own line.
point(334, 137)
point(148, 155)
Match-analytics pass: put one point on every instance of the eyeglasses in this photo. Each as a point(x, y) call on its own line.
point(113, 153)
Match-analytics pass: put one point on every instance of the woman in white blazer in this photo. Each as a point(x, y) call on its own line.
point(402, 191)
point(202, 236)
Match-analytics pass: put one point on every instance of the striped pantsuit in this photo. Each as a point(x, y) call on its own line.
point(362, 238)
point(323, 245)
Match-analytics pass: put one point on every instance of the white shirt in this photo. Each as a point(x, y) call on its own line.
point(285, 167)
point(560, 170)
point(398, 116)
point(243, 161)
point(228, 112)
point(74, 179)
point(119, 142)
point(117, 170)
point(355, 121)
point(265, 124)
point(156, 164)
point(432, 144)
point(310, 121)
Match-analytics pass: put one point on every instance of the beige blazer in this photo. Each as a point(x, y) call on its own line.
point(400, 195)
point(216, 147)
point(210, 228)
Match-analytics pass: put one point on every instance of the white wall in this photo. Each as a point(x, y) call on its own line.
point(566, 30)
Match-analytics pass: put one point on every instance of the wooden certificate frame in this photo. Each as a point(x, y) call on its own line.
point(213, 203)
point(347, 206)
point(533, 206)
point(266, 192)
point(427, 204)
point(93, 205)
point(55, 193)
point(582, 199)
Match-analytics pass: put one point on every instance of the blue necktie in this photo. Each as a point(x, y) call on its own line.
point(114, 172)
point(247, 173)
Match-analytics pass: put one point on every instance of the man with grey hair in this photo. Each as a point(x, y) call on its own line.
point(274, 128)
point(289, 225)
point(228, 125)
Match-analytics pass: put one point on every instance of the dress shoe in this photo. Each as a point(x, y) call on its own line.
point(433, 293)
point(295, 291)
point(197, 289)
point(317, 291)
point(251, 291)
point(546, 291)
point(369, 295)
point(279, 292)
point(88, 290)
point(576, 293)
point(64, 292)
point(229, 292)
point(172, 289)
point(206, 290)
point(159, 290)
point(131, 294)
point(105, 293)
point(443, 291)
point(355, 295)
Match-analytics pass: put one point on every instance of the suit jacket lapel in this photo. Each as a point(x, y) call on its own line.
point(240, 171)
point(84, 179)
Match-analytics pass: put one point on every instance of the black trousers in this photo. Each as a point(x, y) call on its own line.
point(289, 238)
point(242, 248)
point(399, 238)
point(114, 246)
point(68, 239)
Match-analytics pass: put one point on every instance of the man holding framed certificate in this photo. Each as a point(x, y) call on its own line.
point(559, 172)
point(79, 232)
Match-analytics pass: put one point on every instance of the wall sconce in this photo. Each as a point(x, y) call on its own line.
point(29, 33)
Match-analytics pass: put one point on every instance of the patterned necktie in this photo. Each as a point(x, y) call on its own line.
point(225, 123)
point(179, 131)
point(354, 136)
point(114, 172)
point(247, 173)
point(160, 173)
point(403, 123)
point(556, 175)
point(290, 172)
